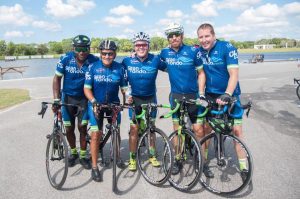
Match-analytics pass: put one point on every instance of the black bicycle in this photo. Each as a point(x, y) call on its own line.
point(188, 154)
point(57, 147)
point(153, 146)
point(112, 131)
point(227, 156)
point(298, 87)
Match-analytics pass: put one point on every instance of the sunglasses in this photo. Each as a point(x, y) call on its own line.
point(177, 34)
point(81, 49)
point(110, 54)
point(141, 45)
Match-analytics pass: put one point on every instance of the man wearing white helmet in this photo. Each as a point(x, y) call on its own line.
point(186, 75)
point(141, 71)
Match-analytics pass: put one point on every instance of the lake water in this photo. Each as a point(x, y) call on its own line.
point(46, 67)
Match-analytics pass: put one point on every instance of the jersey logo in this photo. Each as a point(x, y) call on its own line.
point(87, 76)
point(73, 70)
point(233, 54)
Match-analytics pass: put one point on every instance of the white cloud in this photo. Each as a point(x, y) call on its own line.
point(292, 8)
point(145, 2)
point(72, 8)
point(237, 4)
point(11, 34)
point(14, 15)
point(164, 22)
point(128, 30)
point(54, 27)
point(174, 13)
point(268, 15)
point(125, 10)
point(118, 21)
point(207, 8)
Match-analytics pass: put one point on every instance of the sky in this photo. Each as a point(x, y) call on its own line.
point(41, 21)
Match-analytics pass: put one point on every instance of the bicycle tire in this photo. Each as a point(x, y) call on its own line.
point(227, 178)
point(155, 175)
point(114, 145)
point(57, 151)
point(298, 91)
point(191, 164)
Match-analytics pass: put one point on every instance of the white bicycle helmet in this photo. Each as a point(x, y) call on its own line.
point(174, 27)
point(140, 36)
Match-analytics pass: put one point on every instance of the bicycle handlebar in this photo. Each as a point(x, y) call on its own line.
point(45, 106)
point(150, 105)
point(297, 81)
point(197, 102)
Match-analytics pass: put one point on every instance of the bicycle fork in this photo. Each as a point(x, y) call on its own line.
point(219, 149)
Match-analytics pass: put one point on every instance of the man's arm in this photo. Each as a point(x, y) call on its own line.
point(201, 81)
point(233, 79)
point(56, 86)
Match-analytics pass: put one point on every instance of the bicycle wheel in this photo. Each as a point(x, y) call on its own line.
point(228, 178)
point(114, 151)
point(57, 159)
point(154, 157)
point(298, 91)
point(188, 158)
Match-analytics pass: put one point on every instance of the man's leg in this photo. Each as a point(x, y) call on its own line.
point(133, 139)
point(95, 141)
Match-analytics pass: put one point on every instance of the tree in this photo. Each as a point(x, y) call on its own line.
point(66, 45)
point(42, 49)
point(2, 47)
point(95, 44)
point(10, 49)
point(56, 47)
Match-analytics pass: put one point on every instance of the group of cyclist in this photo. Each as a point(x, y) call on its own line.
point(209, 71)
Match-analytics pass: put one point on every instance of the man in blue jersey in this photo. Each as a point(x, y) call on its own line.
point(71, 68)
point(186, 74)
point(220, 60)
point(141, 71)
point(101, 86)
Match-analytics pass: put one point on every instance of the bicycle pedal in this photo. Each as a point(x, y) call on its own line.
point(48, 136)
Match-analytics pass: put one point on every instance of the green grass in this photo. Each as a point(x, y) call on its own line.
point(10, 97)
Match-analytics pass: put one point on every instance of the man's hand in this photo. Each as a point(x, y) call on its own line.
point(56, 105)
point(129, 99)
point(224, 99)
point(95, 109)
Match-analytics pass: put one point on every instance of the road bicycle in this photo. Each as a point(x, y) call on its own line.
point(153, 143)
point(57, 147)
point(298, 87)
point(188, 154)
point(112, 130)
point(231, 172)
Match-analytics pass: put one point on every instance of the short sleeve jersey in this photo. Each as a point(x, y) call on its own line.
point(182, 67)
point(73, 76)
point(141, 75)
point(105, 81)
point(216, 63)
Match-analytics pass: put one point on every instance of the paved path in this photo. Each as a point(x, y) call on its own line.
point(272, 133)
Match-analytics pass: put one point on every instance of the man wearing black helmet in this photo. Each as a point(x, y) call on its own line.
point(141, 71)
point(71, 68)
point(102, 83)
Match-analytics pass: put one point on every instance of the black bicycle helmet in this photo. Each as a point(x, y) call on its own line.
point(81, 41)
point(108, 45)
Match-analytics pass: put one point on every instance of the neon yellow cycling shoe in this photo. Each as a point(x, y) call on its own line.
point(154, 162)
point(132, 165)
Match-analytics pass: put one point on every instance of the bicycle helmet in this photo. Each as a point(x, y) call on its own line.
point(140, 36)
point(108, 45)
point(174, 27)
point(81, 41)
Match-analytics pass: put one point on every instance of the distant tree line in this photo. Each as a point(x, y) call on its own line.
point(124, 45)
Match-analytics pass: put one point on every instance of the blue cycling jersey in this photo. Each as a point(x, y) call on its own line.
point(216, 62)
point(105, 81)
point(141, 75)
point(74, 76)
point(182, 67)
